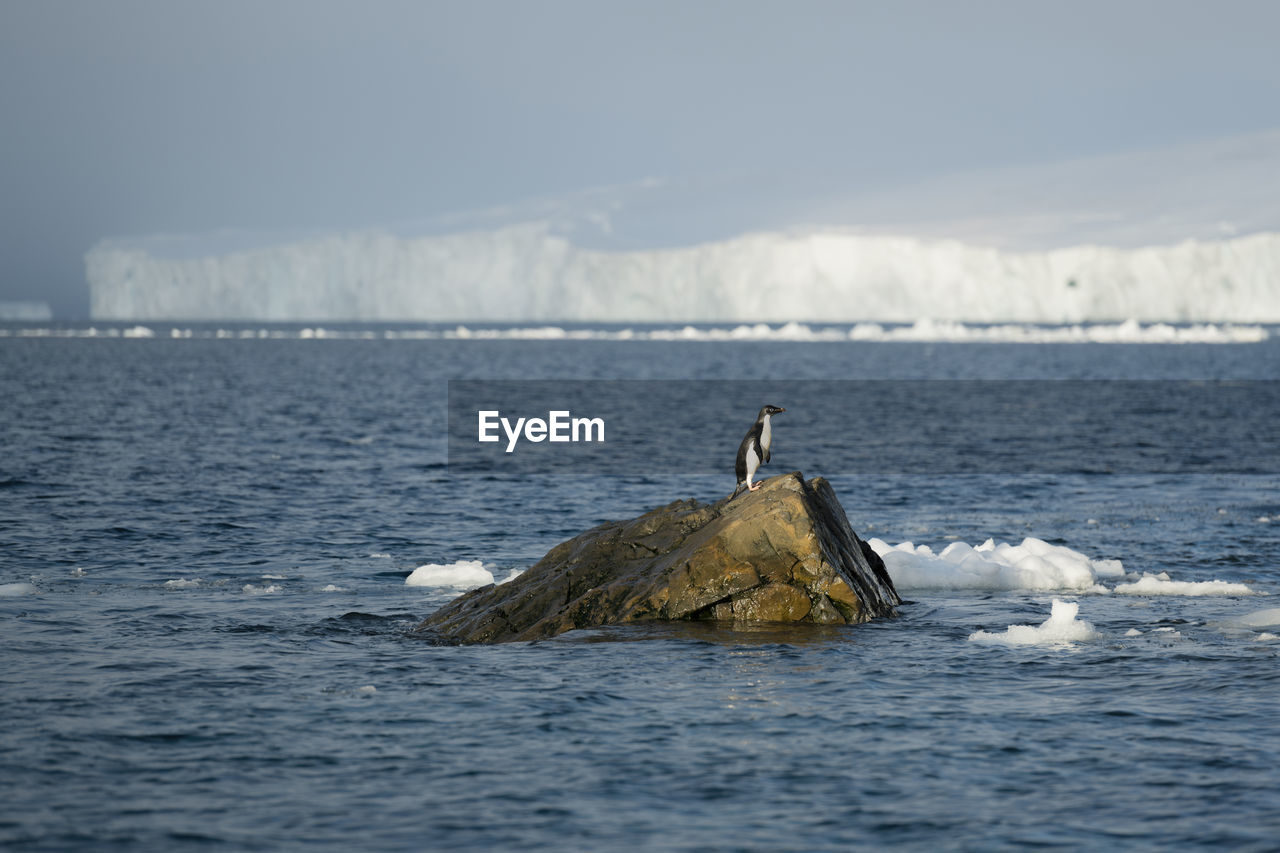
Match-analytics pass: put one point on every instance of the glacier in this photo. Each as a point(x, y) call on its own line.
point(29, 311)
point(530, 273)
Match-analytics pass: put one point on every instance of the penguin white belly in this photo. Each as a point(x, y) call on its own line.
point(766, 436)
point(753, 462)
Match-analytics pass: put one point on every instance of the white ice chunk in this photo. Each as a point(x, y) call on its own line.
point(1262, 618)
point(464, 574)
point(1107, 568)
point(1062, 627)
point(921, 331)
point(1033, 564)
point(8, 589)
point(1160, 584)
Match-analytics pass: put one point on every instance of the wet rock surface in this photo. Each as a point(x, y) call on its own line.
point(784, 553)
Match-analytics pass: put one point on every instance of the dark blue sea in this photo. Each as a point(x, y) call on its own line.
point(208, 636)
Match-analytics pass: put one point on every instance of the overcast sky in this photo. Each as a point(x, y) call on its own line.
point(137, 117)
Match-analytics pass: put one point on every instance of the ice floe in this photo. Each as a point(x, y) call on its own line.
point(1162, 584)
point(1061, 628)
point(463, 574)
point(1033, 565)
point(920, 331)
point(1261, 618)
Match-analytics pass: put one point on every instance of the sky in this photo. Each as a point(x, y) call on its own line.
point(128, 118)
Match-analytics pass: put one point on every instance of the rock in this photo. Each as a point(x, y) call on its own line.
point(784, 553)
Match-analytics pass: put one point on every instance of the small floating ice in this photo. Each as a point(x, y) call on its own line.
point(1261, 618)
point(464, 574)
point(13, 589)
point(1161, 584)
point(367, 690)
point(1034, 564)
point(925, 330)
point(332, 588)
point(1061, 628)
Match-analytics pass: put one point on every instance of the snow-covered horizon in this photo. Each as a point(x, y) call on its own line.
point(1188, 233)
point(530, 273)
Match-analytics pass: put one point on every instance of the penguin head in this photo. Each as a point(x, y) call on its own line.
point(770, 410)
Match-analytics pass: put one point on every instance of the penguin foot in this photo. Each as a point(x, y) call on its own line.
point(754, 486)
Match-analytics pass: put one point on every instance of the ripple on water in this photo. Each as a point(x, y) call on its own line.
point(153, 704)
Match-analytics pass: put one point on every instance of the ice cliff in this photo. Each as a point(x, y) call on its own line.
point(529, 273)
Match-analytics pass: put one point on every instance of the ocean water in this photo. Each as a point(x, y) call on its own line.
point(208, 643)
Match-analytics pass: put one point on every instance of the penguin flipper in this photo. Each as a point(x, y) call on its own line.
point(740, 464)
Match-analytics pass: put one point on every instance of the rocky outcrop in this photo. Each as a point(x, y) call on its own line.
point(784, 553)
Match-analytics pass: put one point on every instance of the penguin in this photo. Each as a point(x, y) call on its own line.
point(754, 450)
